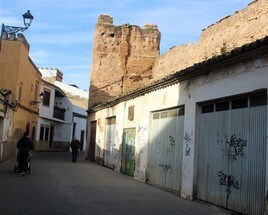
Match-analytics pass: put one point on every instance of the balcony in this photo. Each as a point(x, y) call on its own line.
point(59, 113)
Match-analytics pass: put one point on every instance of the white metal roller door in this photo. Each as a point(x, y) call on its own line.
point(165, 149)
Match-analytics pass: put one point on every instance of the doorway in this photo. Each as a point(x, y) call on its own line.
point(51, 135)
point(82, 134)
point(92, 143)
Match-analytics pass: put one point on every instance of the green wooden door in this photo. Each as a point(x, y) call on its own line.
point(128, 152)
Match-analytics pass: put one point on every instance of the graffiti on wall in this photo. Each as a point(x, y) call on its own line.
point(188, 140)
point(170, 148)
point(165, 167)
point(234, 147)
point(229, 181)
point(171, 141)
point(141, 134)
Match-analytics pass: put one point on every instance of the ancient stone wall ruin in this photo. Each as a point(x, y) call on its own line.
point(123, 58)
point(126, 57)
point(228, 33)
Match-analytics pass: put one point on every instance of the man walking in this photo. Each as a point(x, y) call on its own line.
point(75, 145)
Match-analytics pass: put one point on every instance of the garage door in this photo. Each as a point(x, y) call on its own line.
point(128, 151)
point(110, 143)
point(165, 149)
point(232, 158)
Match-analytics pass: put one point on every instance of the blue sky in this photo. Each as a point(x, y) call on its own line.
point(61, 35)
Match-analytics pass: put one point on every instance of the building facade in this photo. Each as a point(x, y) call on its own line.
point(20, 76)
point(62, 113)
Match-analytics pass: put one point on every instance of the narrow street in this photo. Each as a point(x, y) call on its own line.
point(58, 186)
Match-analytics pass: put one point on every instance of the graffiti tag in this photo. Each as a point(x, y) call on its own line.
point(188, 140)
point(235, 147)
point(228, 181)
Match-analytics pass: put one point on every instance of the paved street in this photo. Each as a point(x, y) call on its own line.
point(58, 186)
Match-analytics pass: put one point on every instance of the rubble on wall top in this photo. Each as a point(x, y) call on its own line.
point(108, 20)
point(105, 19)
point(151, 26)
point(226, 17)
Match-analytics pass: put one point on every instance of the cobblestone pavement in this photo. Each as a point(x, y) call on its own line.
point(58, 186)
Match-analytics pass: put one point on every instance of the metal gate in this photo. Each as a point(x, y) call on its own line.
point(110, 150)
point(128, 152)
point(232, 154)
point(165, 149)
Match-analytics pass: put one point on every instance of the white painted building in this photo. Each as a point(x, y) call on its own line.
point(200, 132)
point(79, 100)
point(62, 113)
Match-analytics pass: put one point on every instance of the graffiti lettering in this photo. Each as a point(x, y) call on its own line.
point(140, 128)
point(187, 137)
point(188, 140)
point(141, 134)
point(187, 150)
point(235, 147)
point(165, 166)
point(171, 141)
point(228, 181)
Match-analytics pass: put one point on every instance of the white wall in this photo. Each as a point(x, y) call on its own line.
point(47, 111)
point(62, 133)
point(81, 124)
point(63, 102)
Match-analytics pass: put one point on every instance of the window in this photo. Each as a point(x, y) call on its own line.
point(222, 106)
point(240, 103)
point(164, 114)
point(41, 134)
point(254, 99)
point(208, 108)
point(111, 120)
point(44, 132)
point(131, 113)
point(181, 111)
point(74, 129)
point(174, 112)
point(258, 100)
point(156, 115)
point(46, 98)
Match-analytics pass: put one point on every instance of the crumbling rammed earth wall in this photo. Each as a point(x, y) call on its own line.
point(126, 57)
point(233, 31)
point(123, 58)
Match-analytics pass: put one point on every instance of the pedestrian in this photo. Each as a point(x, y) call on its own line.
point(24, 146)
point(75, 145)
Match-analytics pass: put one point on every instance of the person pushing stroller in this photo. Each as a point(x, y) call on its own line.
point(24, 146)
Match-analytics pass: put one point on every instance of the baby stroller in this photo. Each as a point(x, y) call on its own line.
point(17, 167)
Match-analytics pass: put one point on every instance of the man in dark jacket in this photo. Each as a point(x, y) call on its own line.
point(24, 146)
point(75, 145)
